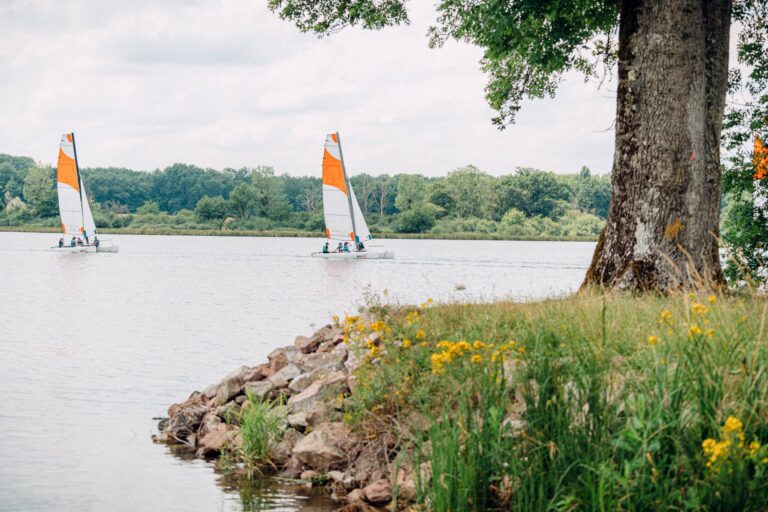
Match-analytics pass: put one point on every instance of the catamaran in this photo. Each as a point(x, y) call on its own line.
point(344, 221)
point(74, 210)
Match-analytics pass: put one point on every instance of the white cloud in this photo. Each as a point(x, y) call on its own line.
point(226, 83)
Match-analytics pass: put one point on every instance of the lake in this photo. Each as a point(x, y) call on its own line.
point(92, 346)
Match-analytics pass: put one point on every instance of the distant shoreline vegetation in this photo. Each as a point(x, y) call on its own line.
point(182, 199)
point(296, 234)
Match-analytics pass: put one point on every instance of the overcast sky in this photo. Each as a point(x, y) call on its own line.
point(225, 83)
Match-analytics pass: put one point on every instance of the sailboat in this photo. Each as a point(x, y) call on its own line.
point(344, 221)
point(74, 210)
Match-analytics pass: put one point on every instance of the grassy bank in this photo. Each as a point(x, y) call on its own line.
point(167, 230)
point(586, 403)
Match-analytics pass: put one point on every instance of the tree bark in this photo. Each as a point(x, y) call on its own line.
point(662, 230)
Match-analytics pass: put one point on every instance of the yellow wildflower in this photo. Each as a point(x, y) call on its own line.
point(733, 424)
point(476, 358)
point(711, 333)
point(694, 331)
point(420, 335)
point(712, 299)
point(666, 317)
point(406, 343)
point(429, 300)
point(700, 309)
point(753, 447)
point(691, 295)
point(477, 345)
point(423, 343)
point(521, 350)
point(653, 340)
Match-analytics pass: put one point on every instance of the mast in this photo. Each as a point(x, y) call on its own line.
point(79, 183)
point(346, 182)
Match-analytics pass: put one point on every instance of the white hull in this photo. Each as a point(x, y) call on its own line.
point(362, 255)
point(87, 248)
point(67, 249)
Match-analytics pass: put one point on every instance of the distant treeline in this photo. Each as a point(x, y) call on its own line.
point(528, 203)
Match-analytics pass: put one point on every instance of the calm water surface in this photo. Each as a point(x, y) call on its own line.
point(92, 346)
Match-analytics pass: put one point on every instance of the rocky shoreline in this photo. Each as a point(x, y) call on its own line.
point(308, 382)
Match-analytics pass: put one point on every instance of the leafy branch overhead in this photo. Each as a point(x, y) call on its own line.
point(528, 44)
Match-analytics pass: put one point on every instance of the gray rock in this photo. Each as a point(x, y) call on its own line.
point(282, 357)
point(229, 411)
point(209, 424)
point(326, 446)
point(230, 386)
point(285, 375)
point(306, 345)
point(279, 453)
point(379, 491)
point(330, 385)
point(314, 361)
point(262, 389)
point(305, 380)
point(298, 420)
point(292, 469)
point(184, 423)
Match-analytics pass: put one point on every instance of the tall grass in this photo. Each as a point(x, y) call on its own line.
point(259, 426)
point(621, 402)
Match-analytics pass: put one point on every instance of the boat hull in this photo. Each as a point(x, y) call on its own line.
point(67, 249)
point(87, 248)
point(362, 255)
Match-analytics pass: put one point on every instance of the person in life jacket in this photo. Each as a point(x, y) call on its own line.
point(346, 247)
point(340, 248)
point(325, 248)
point(61, 242)
point(96, 241)
point(73, 242)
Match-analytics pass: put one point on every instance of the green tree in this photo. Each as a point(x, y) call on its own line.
point(593, 195)
point(39, 192)
point(439, 195)
point(243, 199)
point(471, 189)
point(533, 192)
point(672, 58)
point(417, 220)
point(148, 208)
point(411, 189)
point(271, 201)
point(212, 209)
point(745, 223)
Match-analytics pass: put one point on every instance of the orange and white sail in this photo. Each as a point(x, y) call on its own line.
point(74, 210)
point(343, 218)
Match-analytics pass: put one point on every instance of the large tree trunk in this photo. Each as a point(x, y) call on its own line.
point(662, 229)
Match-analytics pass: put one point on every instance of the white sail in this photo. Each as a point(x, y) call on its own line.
point(362, 231)
point(338, 218)
point(68, 187)
point(89, 227)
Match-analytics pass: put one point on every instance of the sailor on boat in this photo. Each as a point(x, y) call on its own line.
point(346, 247)
point(73, 242)
point(325, 248)
point(96, 241)
point(61, 242)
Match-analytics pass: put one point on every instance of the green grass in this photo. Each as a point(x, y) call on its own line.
point(259, 426)
point(604, 402)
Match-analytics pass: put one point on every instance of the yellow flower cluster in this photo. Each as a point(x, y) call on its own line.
point(730, 444)
point(451, 351)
